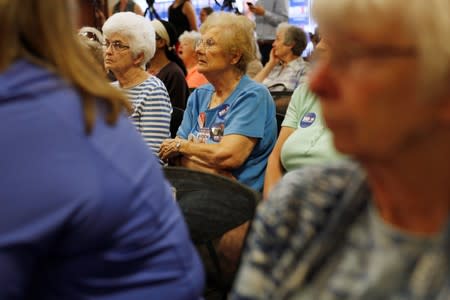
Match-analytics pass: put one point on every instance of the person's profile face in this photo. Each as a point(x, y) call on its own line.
point(203, 15)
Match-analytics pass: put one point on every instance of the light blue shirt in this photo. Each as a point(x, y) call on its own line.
point(248, 111)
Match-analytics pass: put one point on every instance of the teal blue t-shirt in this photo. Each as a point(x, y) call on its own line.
point(248, 111)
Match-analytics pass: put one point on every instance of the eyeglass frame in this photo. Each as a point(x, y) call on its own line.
point(117, 46)
point(343, 59)
point(90, 36)
point(208, 43)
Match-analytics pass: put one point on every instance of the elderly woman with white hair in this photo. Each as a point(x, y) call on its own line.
point(378, 227)
point(129, 45)
point(286, 68)
point(186, 51)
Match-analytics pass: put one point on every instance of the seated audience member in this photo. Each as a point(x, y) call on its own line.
point(86, 212)
point(186, 50)
point(303, 139)
point(92, 39)
point(229, 125)
point(379, 227)
point(168, 66)
point(130, 44)
point(126, 5)
point(286, 68)
point(204, 13)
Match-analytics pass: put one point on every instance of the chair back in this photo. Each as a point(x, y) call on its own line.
point(211, 204)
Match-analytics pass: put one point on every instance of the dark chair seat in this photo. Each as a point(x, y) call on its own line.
point(175, 121)
point(211, 204)
point(281, 99)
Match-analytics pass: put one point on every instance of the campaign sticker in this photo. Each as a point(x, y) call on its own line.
point(216, 132)
point(201, 119)
point(223, 111)
point(307, 120)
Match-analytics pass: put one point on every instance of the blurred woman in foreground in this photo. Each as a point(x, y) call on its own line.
point(86, 213)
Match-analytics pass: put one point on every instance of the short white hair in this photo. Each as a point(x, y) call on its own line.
point(427, 23)
point(137, 29)
point(191, 37)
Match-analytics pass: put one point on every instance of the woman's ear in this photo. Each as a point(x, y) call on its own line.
point(138, 59)
point(160, 43)
point(235, 57)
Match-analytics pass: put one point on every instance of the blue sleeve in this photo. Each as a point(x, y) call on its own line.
point(248, 113)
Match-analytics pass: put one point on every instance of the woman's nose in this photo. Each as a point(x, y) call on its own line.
point(322, 80)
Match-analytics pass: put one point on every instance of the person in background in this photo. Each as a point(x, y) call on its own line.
point(92, 40)
point(204, 13)
point(86, 212)
point(186, 51)
point(268, 14)
point(378, 227)
point(126, 5)
point(130, 44)
point(168, 66)
point(304, 138)
point(286, 68)
point(182, 16)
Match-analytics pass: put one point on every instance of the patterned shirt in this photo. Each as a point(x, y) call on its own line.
point(366, 259)
point(287, 78)
point(152, 110)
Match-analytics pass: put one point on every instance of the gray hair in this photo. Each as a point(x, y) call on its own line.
point(238, 36)
point(137, 29)
point(191, 37)
point(295, 36)
point(427, 23)
point(86, 29)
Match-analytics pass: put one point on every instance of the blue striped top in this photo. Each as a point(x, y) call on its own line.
point(152, 110)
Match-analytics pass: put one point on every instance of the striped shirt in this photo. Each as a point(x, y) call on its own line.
point(151, 110)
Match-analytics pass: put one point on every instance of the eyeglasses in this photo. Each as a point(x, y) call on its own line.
point(342, 59)
point(90, 35)
point(208, 43)
point(116, 46)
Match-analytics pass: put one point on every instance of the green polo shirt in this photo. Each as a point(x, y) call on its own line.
point(312, 141)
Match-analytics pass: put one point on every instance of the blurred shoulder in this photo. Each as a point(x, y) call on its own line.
point(316, 186)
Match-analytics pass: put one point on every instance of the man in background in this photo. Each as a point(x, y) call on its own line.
point(268, 14)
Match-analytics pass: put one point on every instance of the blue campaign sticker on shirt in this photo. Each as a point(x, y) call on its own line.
point(307, 120)
point(223, 110)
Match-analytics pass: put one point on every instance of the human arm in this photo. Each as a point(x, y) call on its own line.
point(189, 12)
point(274, 169)
point(273, 12)
point(229, 154)
point(269, 66)
point(153, 114)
